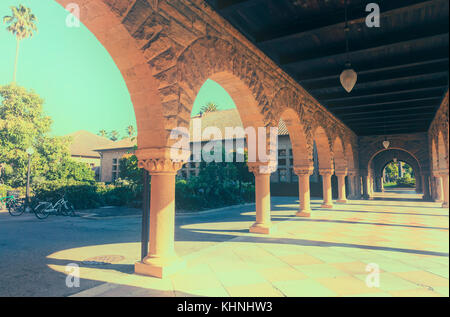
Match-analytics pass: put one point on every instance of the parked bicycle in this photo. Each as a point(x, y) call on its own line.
point(15, 207)
point(62, 208)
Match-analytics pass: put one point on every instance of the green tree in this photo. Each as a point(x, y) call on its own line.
point(209, 107)
point(103, 133)
point(129, 170)
point(23, 125)
point(22, 24)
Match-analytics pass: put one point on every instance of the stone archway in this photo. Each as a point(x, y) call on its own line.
point(165, 52)
point(290, 110)
point(326, 168)
point(379, 162)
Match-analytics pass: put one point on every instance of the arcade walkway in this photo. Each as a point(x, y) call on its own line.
point(325, 255)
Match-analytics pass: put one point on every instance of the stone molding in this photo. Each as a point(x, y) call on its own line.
point(304, 171)
point(326, 171)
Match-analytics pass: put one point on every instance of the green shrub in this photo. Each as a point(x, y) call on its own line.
point(406, 182)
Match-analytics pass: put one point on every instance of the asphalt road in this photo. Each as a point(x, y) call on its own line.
point(26, 243)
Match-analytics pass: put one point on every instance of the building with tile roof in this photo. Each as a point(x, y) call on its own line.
point(113, 152)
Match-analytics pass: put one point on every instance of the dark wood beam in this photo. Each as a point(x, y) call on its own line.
point(383, 91)
point(356, 15)
point(389, 99)
point(228, 5)
point(386, 75)
point(350, 121)
point(416, 101)
point(434, 89)
point(399, 130)
point(442, 77)
point(408, 108)
point(421, 33)
point(370, 69)
point(390, 122)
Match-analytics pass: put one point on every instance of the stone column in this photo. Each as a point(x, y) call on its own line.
point(365, 184)
point(304, 194)
point(352, 184)
point(263, 224)
point(161, 260)
point(426, 187)
point(327, 191)
point(341, 174)
point(445, 184)
point(438, 186)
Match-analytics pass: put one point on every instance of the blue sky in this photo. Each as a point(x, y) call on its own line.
point(74, 74)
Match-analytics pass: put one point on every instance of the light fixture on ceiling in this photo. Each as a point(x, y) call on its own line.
point(348, 76)
point(386, 143)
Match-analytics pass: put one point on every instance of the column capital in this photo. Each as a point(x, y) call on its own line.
point(262, 168)
point(443, 172)
point(162, 161)
point(160, 166)
point(341, 172)
point(303, 170)
point(326, 171)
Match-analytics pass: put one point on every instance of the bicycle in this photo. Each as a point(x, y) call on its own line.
point(62, 207)
point(15, 208)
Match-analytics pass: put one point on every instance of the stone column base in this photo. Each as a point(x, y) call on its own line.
point(159, 269)
point(261, 228)
point(342, 201)
point(304, 214)
point(445, 205)
point(326, 206)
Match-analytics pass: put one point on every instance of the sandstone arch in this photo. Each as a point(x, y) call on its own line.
point(130, 60)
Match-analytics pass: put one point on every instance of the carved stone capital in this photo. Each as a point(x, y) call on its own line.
point(259, 168)
point(304, 170)
point(160, 166)
point(162, 161)
point(341, 172)
point(326, 171)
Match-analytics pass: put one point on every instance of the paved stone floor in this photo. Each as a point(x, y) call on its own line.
point(326, 255)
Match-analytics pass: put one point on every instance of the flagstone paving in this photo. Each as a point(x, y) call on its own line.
point(326, 255)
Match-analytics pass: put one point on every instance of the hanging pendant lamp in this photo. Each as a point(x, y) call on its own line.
point(348, 76)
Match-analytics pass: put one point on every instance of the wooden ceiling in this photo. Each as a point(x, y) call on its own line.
point(402, 66)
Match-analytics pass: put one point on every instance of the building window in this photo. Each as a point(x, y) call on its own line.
point(115, 169)
point(282, 153)
point(283, 175)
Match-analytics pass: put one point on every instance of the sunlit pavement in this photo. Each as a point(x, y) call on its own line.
point(326, 255)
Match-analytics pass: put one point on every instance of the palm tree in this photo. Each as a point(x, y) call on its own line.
point(130, 131)
point(21, 25)
point(209, 107)
point(114, 135)
point(102, 133)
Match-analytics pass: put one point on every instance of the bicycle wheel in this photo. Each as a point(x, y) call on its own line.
point(62, 210)
point(15, 208)
point(71, 209)
point(41, 210)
